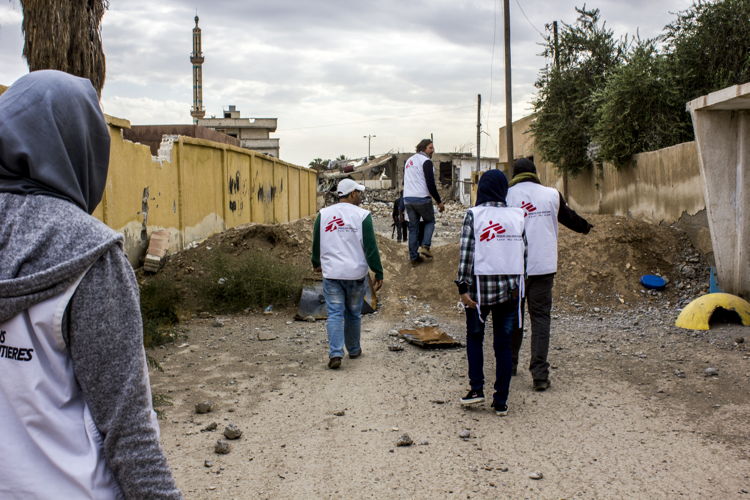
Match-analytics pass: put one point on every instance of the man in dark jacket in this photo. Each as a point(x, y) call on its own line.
point(543, 207)
point(419, 191)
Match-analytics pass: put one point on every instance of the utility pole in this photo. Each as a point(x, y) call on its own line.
point(479, 128)
point(557, 66)
point(369, 138)
point(557, 46)
point(508, 97)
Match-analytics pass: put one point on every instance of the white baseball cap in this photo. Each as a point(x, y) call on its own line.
point(346, 186)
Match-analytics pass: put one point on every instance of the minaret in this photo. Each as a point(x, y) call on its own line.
point(197, 111)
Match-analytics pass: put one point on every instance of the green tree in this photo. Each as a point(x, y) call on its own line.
point(565, 112)
point(65, 36)
point(709, 46)
point(318, 164)
point(639, 107)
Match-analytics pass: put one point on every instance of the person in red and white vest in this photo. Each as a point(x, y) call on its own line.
point(344, 247)
point(490, 279)
point(543, 208)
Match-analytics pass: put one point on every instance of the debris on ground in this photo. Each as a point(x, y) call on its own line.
point(264, 336)
point(204, 407)
point(231, 431)
point(312, 302)
point(157, 249)
point(429, 337)
point(404, 440)
point(221, 447)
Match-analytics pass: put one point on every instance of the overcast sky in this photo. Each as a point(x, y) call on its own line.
point(335, 70)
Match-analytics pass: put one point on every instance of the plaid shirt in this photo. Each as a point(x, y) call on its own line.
point(495, 289)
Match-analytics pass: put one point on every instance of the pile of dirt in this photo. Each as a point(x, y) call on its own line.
point(601, 269)
point(604, 267)
point(289, 243)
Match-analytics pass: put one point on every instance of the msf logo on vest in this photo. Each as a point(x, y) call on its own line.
point(334, 224)
point(528, 208)
point(491, 231)
point(410, 163)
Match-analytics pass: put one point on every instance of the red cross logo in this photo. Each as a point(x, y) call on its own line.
point(489, 232)
point(334, 224)
point(528, 207)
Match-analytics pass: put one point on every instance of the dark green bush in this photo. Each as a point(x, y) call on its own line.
point(159, 301)
point(252, 279)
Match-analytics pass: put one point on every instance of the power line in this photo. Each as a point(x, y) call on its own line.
point(492, 62)
point(529, 21)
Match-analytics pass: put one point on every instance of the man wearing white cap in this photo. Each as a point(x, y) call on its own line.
point(344, 246)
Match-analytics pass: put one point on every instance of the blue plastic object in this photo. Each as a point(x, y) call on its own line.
point(653, 282)
point(713, 281)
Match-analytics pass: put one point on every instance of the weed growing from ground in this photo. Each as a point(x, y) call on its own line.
point(159, 301)
point(247, 281)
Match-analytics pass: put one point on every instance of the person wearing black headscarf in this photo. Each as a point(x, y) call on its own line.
point(498, 294)
point(75, 400)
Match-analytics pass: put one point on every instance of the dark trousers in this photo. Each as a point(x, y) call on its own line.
point(402, 233)
point(420, 212)
point(504, 316)
point(539, 300)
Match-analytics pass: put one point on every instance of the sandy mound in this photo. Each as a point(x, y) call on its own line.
point(601, 269)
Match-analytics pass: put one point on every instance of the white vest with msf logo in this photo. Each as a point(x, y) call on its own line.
point(415, 185)
point(51, 446)
point(342, 253)
point(540, 205)
point(498, 240)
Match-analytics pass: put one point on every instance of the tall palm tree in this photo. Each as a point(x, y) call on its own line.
point(65, 35)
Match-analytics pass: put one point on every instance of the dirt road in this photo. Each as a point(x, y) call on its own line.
point(630, 414)
point(617, 422)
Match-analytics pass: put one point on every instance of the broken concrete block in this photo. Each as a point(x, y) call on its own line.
point(157, 250)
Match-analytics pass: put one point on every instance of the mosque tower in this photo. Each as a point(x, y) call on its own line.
point(197, 111)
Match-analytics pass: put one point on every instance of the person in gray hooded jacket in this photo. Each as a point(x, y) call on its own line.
point(75, 400)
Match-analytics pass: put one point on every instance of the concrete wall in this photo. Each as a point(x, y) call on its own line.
point(465, 168)
point(151, 135)
point(205, 188)
point(660, 187)
point(721, 121)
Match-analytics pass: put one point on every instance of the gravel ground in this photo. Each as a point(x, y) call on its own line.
point(637, 409)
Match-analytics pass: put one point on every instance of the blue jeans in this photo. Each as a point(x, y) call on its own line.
point(344, 303)
point(504, 317)
point(416, 209)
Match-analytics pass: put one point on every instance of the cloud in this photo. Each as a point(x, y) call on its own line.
point(332, 71)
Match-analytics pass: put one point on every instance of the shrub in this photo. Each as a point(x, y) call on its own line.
point(252, 279)
point(159, 301)
point(639, 109)
point(587, 53)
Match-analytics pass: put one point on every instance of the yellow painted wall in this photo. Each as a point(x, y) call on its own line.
point(204, 188)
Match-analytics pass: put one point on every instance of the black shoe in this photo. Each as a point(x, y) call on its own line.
point(417, 261)
point(334, 363)
point(472, 398)
point(500, 410)
point(541, 385)
point(355, 356)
